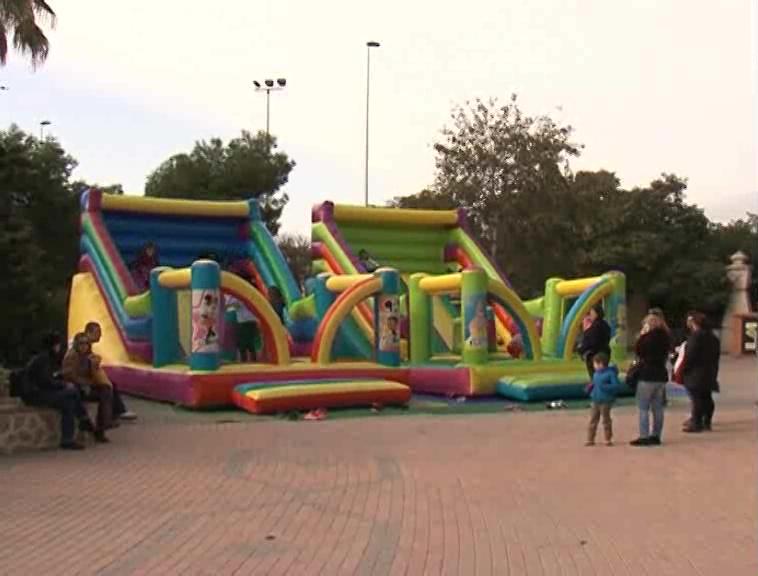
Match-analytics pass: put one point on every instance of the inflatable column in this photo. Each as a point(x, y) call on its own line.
point(420, 316)
point(207, 306)
point(616, 316)
point(387, 318)
point(551, 317)
point(474, 317)
point(166, 346)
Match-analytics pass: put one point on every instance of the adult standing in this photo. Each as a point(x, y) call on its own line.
point(652, 348)
point(596, 339)
point(700, 370)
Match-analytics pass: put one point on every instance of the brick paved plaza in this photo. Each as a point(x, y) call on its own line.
point(500, 494)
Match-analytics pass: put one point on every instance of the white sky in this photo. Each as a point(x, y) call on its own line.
point(649, 86)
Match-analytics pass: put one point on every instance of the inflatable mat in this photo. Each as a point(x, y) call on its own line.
point(537, 387)
point(268, 397)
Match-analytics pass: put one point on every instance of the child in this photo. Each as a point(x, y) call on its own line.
point(247, 329)
point(605, 386)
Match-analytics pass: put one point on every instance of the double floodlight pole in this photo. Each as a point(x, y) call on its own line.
point(269, 86)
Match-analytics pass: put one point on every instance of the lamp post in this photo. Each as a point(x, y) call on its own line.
point(269, 86)
point(42, 128)
point(369, 46)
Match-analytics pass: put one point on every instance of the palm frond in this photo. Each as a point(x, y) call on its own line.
point(29, 39)
point(3, 44)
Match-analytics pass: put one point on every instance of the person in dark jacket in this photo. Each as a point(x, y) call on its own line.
point(596, 339)
point(44, 387)
point(700, 370)
point(652, 349)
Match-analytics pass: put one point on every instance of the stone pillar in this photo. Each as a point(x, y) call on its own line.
point(739, 274)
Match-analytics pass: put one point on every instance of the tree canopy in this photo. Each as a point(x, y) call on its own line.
point(512, 174)
point(296, 249)
point(39, 212)
point(246, 167)
point(20, 27)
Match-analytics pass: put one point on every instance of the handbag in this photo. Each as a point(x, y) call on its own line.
point(633, 374)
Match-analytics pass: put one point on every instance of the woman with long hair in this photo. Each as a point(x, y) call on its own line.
point(652, 348)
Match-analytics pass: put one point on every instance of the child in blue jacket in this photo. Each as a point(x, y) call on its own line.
point(605, 387)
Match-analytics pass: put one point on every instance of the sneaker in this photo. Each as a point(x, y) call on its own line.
point(640, 442)
point(692, 430)
point(609, 442)
point(128, 416)
point(589, 443)
point(654, 440)
point(72, 445)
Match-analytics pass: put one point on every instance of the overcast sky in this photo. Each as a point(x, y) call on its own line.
point(650, 86)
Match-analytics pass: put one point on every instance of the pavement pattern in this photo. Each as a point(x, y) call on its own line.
point(514, 494)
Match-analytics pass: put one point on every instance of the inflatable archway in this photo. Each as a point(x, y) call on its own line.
point(340, 309)
point(573, 322)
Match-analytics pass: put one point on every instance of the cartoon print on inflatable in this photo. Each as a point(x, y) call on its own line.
point(476, 328)
point(205, 330)
point(389, 324)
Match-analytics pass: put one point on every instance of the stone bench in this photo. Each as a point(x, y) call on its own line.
point(27, 428)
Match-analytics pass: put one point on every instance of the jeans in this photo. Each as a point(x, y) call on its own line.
point(68, 401)
point(103, 395)
point(650, 398)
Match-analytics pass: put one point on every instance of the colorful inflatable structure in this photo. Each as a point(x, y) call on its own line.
point(356, 338)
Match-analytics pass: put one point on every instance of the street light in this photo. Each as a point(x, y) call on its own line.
point(369, 46)
point(42, 128)
point(268, 87)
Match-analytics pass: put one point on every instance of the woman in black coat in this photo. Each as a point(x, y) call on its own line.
point(700, 371)
point(597, 338)
point(652, 349)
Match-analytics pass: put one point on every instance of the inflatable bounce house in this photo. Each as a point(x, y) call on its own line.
point(436, 316)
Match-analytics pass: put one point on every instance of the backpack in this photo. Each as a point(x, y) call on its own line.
point(17, 381)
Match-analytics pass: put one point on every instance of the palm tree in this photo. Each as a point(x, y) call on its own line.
point(19, 20)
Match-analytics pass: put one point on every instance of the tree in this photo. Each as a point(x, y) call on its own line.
point(296, 249)
point(39, 247)
point(538, 219)
point(427, 199)
point(498, 162)
point(510, 172)
point(247, 167)
point(19, 19)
